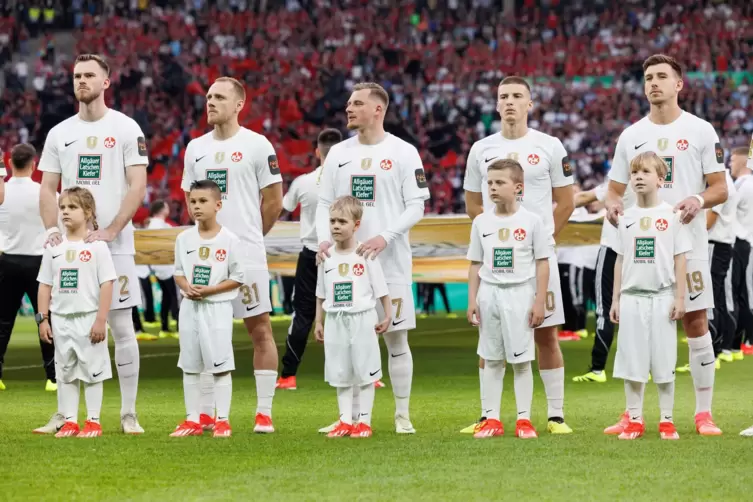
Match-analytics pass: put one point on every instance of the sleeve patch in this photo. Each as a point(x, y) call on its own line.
point(421, 179)
point(567, 167)
point(750, 151)
point(141, 143)
point(719, 153)
point(274, 166)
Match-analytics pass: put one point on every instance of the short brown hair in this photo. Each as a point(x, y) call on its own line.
point(510, 165)
point(85, 200)
point(82, 58)
point(652, 160)
point(22, 155)
point(658, 59)
point(349, 205)
point(376, 90)
point(514, 79)
point(237, 86)
point(327, 139)
point(206, 185)
point(742, 150)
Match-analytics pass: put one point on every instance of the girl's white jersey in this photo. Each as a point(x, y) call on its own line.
point(648, 240)
point(96, 156)
point(76, 270)
point(691, 149)
point(242, 166)
point(350, 283)
point(208, 262)
point(508, 247)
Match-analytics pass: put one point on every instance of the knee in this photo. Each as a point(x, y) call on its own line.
point(696, 324)
point(261, 334)
point(521, 368)
point(546, 339)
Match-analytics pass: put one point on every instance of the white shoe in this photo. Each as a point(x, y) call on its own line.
point(130, 424)
point(748, 432)
point(403, 425)
point(329, 428)
point(55, 424)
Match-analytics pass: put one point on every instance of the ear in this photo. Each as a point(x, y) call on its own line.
point(319, 155)
point(106, 83)
point(357, 225)
point(680, 84)
point(239, 106)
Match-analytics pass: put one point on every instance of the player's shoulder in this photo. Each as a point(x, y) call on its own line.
point(345, 147)
point(400, 144)
point(636, 129)
point(100, 248)
point(489, 141)
point(120, 118)
point(229, 235)
point(188, 233)
point(694, 122)
point(252, 139)
point(66, 125)
point(541, 138)
point(200, 141)
point(529, 216)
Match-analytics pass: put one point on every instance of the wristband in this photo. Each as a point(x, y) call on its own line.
point(700, 199)
point(52, 230)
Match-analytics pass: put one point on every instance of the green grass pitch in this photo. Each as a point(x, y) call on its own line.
point(298, 464)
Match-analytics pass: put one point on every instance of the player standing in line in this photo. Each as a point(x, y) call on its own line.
point(209, 271)
point(507, 293)
point(105, 151)
point(349, 297)
point(244, 166)
point(304, 191)
point(742, 283)
point(694, 181)
point(548, 177)
point(75, 293)
point(649, 296)
point(386, 174)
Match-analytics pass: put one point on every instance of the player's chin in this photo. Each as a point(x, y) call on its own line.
point(352, 125)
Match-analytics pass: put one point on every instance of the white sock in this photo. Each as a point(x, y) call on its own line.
point(356, 403)
point(554, 387)
point(703, 370)
point(93, 394)
point(523, 389)
point(69, 396)
point(206, 400)
point(223, 388)
point(126, 357)
point(494, 374)
point(61, 406)
point(345, 404)
point(367, 403)
point(634, 399)
point(481, 390)
point(265, 390)
point(666, 400)
point(400, 368)
point(191, 396)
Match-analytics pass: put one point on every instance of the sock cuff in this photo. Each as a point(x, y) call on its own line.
point(552, 372)
point(494, 364)
point(191, 378)
point(519, 368)
point(265, 373)
point(225, 379)
point(701, 342)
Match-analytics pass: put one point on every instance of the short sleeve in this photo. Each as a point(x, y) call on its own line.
point(542, 244)
point(620, 170)
point(750, 154)
point(326, 194)
point(320, 293)
point(178, 258)
point(561, 168)
point(290, 201)
point(105, 266)
point(265, 163)
point(376, 278)
point(600, 192)
point(3, 172)
point(475, 249)
point(473, 179)
point(712, 153)
point(134, 145)
point(50, 160)
point(414, 183)
point(235, 265)
point(683, 243)
point(189, 175)
point(46, 271)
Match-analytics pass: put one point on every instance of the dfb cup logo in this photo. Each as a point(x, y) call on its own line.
point(220, 255)
point(519, 234)
point(533, 159)
point(236, 157)
point(386, 164)
point(682, 145)
point(661, 224)
point(358, 269)
point(109, 142)
point(85, 256)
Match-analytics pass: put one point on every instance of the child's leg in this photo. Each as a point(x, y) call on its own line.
point(345, 404)
point(93, 395)
point(523, 389)
point(634, 399)
point(356, 403)
point(223, 391)
point(207, 397)
point(666, 400)
point(69, 394)
point(367, 403)
point(494, 373)
point(192, 394)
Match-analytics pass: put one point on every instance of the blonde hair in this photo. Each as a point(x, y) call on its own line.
point(375, 90)
point(101, 61)
point(85, 199)
point(349, 205)
point(649, 159)
point(237, 86)
point(509, 165)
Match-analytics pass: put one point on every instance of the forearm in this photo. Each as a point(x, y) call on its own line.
point(413, 213)
point(223, 287)
point(182, 282)
point(542, 279)
point(474, 204)
point(43, 298)
point(711, 217)
point(680, 271)
point(562, 214)
point(131, 203)
point(319, 311)
point(322, 221)
point(270, 213)
point(584, 198)
point(2, 189)
point(105, 299)
point(48, 207)
point(714, 194)
point(386, 306)
point(617, 279)
point(615, 192)
point(474, 281)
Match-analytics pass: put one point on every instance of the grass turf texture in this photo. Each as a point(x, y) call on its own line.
point(438, 463)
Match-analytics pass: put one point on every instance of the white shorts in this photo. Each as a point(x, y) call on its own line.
point(647, 340)
point(126, 292)
point(206, 337)
point(504, 334)
point(351, 349)
point(253, 297)
point(76, 357)
point(403, 307)
point(554, 313)
point(699, 292)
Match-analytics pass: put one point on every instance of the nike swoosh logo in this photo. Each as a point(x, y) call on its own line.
point(638, 146)
point(518, 355)
point(344, 164)
point(121, 300)
point(192, 251)
point(396, 323)
point(628, 226)
point(218, 365)
point(489, 160)
point(69, 144)
point(487, 235)
point(95, 375)
point(56, 256)
point(398, 355)
point(374, 373)
point(198, 159)
point(328, 271)
point(706, 364)
point(521, 412)
point(249, 309)
point(696, 296)
point(124, 364)
point(667, 418)
point(547, 317)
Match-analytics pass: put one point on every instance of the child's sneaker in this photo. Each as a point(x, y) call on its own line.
point(705, 425)
point(634, 430)
point(342, 430)
point(90, 430)
point(187, 428)
point(207, 423)
point(222, 429)
point(361, 430)
point(491, 428)
point(619, 427)
point(263, 424)
point(69, 429)
point(667, 431)
point(524, 429)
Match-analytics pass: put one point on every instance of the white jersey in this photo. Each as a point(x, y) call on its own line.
point(304, 191)
point(96, 156)
point(208, 262)
point(608, 231)
point(744, 186)
point(350, 283)
point(162, 272)
point(545, 165)
point(724, 229)
point(241, 166)
point(386, 178)
point(76, 271)
point(508, 246)
point(648, 240)
point(691, 149)
point(20, 222)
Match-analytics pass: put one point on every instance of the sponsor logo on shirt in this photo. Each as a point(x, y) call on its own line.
point(503, 260)
point(645, 249)
point(421, 178)
point(363, 188)
point(567, 167)
point(219, 176)
point(201, 275)
point(68, 280)
point(141, 146)
point(89, 169)
point(669, 179)
point(274, 166)
point(719, 151)
point(342, 294)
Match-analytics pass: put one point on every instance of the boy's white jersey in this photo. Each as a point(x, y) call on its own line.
point(304, 190)
point(648, 240)
point(508, 246)
point(744, 186)
point(76, 270)
point(350, 283)
point(725, 227)
point(208, 262)
point(385, 177)
point(545, 165)
point(241, 166)
point(691, 149)
point(608, 231)
point(95, 156)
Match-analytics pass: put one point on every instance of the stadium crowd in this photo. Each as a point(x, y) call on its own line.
point(440, 61)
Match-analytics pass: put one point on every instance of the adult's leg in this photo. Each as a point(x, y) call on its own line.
point(11, 293)
point(304, 305)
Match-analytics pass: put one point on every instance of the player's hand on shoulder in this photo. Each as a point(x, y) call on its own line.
point(319, 332)
point(473, 314)
point(614, 312)
point(45, 332)
point(372, 247)
point(383, 325)
point(54, 239)
point(323, 252)
point(536, 316)
point(99, 328)
point(689, 207)
point(102, 234)
point(678, 309)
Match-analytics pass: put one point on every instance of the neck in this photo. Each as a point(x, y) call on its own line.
point(93, 111)
point(665, 113)
point(76, 234)
point(506, 208)
point(372, 135)
point(347, 245)
point(514, 130)
point(209, 227)
point(22, 173)
point(744, 172)
point(648, 199)
point(226, 130)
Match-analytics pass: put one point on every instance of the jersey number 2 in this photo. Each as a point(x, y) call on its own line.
point(123, 280)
